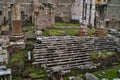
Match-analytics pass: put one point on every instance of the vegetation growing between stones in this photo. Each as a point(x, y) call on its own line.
point(66, 24)
point(103, 54)
point(107, 72)
point(17, 58)
point(60, 31)
point(19, 66)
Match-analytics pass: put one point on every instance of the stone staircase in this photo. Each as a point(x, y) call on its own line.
point(69, 51)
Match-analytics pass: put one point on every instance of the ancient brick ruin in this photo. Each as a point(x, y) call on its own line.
point(4, 49)
point(44, 16)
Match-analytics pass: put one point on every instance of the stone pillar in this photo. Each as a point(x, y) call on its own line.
point(17, 37)
point(82, 9)
point(88, 12)
point(52, 16)
point(85, 11)
point(47, 16)
point(16, 20)
point(92, 20)
point(36, 17)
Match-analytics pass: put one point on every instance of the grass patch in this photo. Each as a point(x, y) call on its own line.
point(110, 73)
point(18, 57)
point(15, 78)
point(30, 42)
point(35, 72)
point(60, 31)
point(30, 30)
point(30, 34)
point(66, 24)
point(91, 31)
point(74, 72)
point(29, 27)
point(16, 63)
point(103, 54)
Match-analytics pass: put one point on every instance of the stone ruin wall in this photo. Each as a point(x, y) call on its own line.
point(62, 10)
point(76, 10)
point(63, 7)
point(110, 17)
point(44, 17)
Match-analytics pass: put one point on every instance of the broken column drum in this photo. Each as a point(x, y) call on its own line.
point(100, 32)
point(82, 32)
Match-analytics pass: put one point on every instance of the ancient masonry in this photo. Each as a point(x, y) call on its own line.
point(5, 74)
point(4, 49)
point(83, 31)
point(44, 16)
point(92, 21)
point(69, 51)
point(76, 10)
point(88, 12)
point(17, 37)
point(112, 14)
